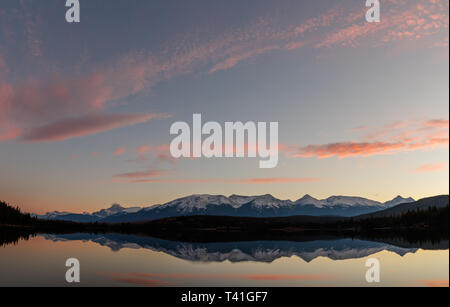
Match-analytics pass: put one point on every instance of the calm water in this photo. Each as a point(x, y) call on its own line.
point(127, 260)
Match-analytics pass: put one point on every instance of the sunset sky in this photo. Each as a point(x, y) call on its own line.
point(85, 108)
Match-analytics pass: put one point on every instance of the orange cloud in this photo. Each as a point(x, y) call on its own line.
point(143, 174)
point(275, 277)
point(144, 282)
point(42, 101)
point(229, 181)
point(141, 277)
point(119, 151)
point(431, 167)
point(392, 138)
point(404, 20)
point(435, 283)
point(437, 123)
point(347, 149)
point(143, 149)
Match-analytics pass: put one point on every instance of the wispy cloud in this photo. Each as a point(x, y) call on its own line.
point(393, 138)
point(142, 174)
point(166, 279)
point(431, 167)
point(279, 180)
point(435, 283)
point(44, 100)
point(119, 151)
point(82, 126)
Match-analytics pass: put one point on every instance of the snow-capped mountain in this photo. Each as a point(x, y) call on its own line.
point(235, 205)
point(398, 200)
point(115, 209)
point(333, 201)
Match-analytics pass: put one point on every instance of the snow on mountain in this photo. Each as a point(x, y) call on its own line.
point(238, 200)
point(309, 200)
point(51, 215)
point(235, 205)
point(268, 201)
point(88, 217)
point(398, 200)
point(350, 201)
point(114, 209)
point(189, 203)
point(344, 201)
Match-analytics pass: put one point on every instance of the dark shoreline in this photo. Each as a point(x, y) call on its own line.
point(417, 225)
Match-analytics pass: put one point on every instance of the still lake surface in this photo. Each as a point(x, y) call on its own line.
point(129, 260)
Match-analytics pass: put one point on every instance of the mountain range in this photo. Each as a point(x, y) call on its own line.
point(235, 205)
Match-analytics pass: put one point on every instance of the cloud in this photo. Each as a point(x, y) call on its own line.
point(437, 123)
point(142, 149)
point(144, 282)
point(234, 59)
point(409, 20)
point(43, 100)
point(431, 167)
point(160, 152)
point(82, 126)
point(346, 149)
point(280, 180)
point(152, 279)
point(142, 174)
point(435, 283)
point(393, 138)
point(119, 151)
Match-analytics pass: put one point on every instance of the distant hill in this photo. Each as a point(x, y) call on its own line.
point(441, 201)
point(235, 206)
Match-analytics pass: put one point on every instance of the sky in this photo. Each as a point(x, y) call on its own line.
point(86, 108)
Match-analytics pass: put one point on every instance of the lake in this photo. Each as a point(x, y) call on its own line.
point(130, 260)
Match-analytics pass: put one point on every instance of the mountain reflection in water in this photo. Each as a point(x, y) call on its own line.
point(256, 251)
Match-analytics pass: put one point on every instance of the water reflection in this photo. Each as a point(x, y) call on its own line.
point(256, 251)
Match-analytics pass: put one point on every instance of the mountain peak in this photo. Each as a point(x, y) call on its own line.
point(116, 206)
point(307, 197)
point(398, 200)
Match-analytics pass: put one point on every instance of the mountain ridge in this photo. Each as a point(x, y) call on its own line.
point(234, 205)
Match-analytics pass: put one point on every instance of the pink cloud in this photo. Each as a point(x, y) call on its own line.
point(438, 123)
point(227, 181)
point(254, 277)
point(82, 126)
point(431, 167)
point(39, 101)
point(404, 20)
point(160, 152)
point(347, 149)
point(390, 139)
point(119, 151)
point(435, 283)
point(142, 174)
point(234, 59)
point(143, 149)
